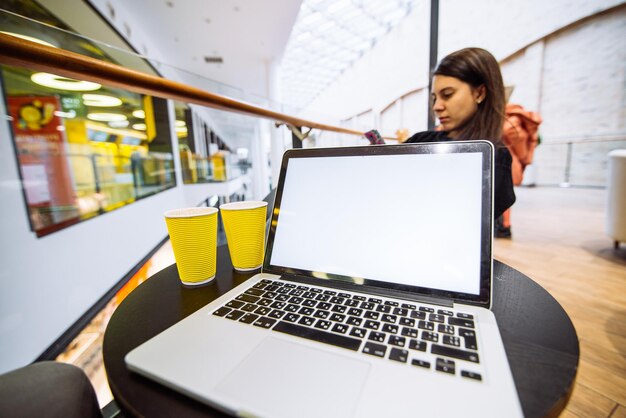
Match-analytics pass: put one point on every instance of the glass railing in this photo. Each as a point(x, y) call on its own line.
point(575, 162)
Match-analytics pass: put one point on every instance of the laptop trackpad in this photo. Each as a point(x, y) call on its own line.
point(285, 379)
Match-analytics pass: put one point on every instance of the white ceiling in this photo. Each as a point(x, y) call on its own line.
point(247, 34)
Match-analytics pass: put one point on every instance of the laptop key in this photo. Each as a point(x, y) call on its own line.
point(292, 307)
point(324, 305)
point(248, 298)
point(282, 298)
point(339, 308)
point(390, 328)
point(264, 322)
point(262, 310)
point(358, 332)
point(401, 311)
point(420, 363)
point(446, 329)
point(446, 366)
point(309, 303)
point(445, 312)
point(249, 318)
point(371, 315)
point(353, 320)
point(234, 315)
point(389, 318)
point(383, 308)
point(471, 375)
point(355, 311)
point(409, 332)
point(291, 317)
point(426, 309)
point(321, 314)
point(351, 303)
point(306, 311)
point(398, 354)
point(249, 307)
point(417, 345)
point(306, 320)
point(236, 304)
point(407, 322)
point(408, 306)
point(418, 315)
point(318, 335)
point(337, 299)
point(264, 302)
point(337, 317)
point(397, 341)
point(443, 350)
point(375, 300)
point(278, 305)
point(470, 338)
point(359, 298)
point(344, 295)
point(467, 323)
point(430, 336)
point(377, 336)
point(222, 311)
point(374, 349)
point(451, 340)
point(322, 324)
point(464, 315)
point(340, 328)
point(436, 318)
point(429, 326)
point(254, 292)
point(276, 313)
point(372, 324)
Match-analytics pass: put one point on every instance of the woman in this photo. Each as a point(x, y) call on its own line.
point(468, 99)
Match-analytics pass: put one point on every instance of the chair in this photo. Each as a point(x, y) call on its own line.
point(48, 389)
point(616, 199)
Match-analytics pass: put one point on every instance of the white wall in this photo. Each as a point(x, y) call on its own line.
point(566, 59)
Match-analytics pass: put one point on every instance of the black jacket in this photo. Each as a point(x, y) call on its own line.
point(504, 195)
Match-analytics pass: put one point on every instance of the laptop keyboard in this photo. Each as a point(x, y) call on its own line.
point(424, 336)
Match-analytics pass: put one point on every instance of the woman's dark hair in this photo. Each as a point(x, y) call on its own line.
point(477, 67)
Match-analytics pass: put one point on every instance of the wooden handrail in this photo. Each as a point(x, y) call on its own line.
point(23, 53)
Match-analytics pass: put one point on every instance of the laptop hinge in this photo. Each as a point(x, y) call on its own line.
point(370, 290)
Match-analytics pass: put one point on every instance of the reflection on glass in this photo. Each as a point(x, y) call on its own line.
point(77, 155)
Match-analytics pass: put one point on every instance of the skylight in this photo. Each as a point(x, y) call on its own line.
point(328, 37)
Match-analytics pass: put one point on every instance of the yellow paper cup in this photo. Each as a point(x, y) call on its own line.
point(193, 232)
point(244, 224)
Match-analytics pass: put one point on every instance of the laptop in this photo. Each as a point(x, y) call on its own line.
point(373, 298)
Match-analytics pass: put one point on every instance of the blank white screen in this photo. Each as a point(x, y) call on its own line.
point(409, 219)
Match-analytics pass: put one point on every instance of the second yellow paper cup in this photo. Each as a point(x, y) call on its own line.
point(193, 232)
point(244, 224)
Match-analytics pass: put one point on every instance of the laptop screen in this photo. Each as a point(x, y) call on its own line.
point(408, 217)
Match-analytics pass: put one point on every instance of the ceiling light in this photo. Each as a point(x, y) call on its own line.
point(139, 114)
point(63, 83)
point(28, 38)
point(181, 129)
point(106, 117)
point(122, 132)
point(180, 123)
point(101, 100)
point(139, 126)
point(118, 123)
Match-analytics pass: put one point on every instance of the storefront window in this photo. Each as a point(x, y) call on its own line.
point(82, 148)
point(84, 151)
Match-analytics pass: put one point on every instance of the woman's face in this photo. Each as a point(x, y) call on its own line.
point(455, 102)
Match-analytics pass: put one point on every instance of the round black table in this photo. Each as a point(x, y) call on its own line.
point(539, 338)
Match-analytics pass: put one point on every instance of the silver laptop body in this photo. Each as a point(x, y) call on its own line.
point(373, 301)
